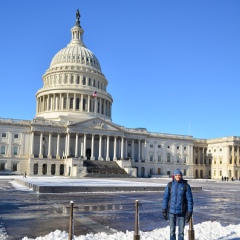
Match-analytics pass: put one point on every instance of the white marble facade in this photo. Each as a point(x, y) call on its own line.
point(73, 123)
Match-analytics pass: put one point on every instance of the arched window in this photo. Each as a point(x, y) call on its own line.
point(35, 169)
point(61, 169)
point(53, 169)
point(44, 169)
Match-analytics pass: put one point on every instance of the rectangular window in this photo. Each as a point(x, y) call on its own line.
point(159, 158)
point(184, 172)
point(220, 149)
point(151, 145)
point(168, 157)
point(3, 150)
point(16, 136)
point(185, 159)
point(185, 148)
point(177, 147)
point(15, 150)
point(159, 146)
point(151, 158)
point(214, 173)
point(2, 166)
point(14, 167)
point(4, 135)
point(220, 173)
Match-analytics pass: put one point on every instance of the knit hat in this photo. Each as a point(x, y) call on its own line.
point(177, 172)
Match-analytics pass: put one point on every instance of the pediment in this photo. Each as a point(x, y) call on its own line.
point(96, 123)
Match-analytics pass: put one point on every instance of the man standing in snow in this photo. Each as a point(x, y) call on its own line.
point(178, 202)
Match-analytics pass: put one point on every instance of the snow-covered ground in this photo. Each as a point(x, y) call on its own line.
point(203, 231)
point(206, 228)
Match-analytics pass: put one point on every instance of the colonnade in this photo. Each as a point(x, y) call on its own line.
point(73, 102)
point(78, 145)
point(199, 156)
point(234, 157)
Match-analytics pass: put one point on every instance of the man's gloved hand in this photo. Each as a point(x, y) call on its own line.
point(164, 211)
point(188, 215)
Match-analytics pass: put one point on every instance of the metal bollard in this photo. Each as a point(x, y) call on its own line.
point(191, 230)
point(71, 223)
point(136, 233)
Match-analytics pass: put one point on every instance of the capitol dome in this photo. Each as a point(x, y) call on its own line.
point(75, 53)
point(74, 87)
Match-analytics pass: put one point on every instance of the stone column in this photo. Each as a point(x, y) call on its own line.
point(76, 145)
point(115, 149)
point(41, 146)
point(122, 148)
point(126, 147)
point(81, 147)
point(84, 144)
point(74, 102)
point(199, 156)
point(68, 144)
point(50, 145)
point(58, 147)
point(48, 102)
point(238, 155)
point(92, 151)
point(145, 150)
point(107, 152)
point(100, 108)
point(104, 107)
point(88, 104)
point(203, 157)
point(67, 107)
point(81, 103)
point(139, 150)
point(100, 148)
point(56, 102)
point(32, 145)
point(233, 154)
point(133, 150)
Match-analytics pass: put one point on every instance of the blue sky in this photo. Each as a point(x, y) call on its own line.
point(169, 64)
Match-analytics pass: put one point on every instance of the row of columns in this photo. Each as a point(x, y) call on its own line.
point(201, 161)
point(63, 101)
point(123, 146)
point(233, 155)
point(73, 79)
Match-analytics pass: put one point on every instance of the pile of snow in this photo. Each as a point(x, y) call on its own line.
point(3, 233)
point(203, 231)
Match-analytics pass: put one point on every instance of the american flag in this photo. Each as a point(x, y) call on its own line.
point(94, 94)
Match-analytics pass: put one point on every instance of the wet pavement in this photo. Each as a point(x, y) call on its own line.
point(25, 213)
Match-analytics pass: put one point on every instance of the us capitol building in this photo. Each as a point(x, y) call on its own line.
point(73, 124)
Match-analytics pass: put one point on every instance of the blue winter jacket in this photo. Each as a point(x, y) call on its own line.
point(179, 200)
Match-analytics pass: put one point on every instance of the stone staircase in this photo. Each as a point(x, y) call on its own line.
point(104, 169)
